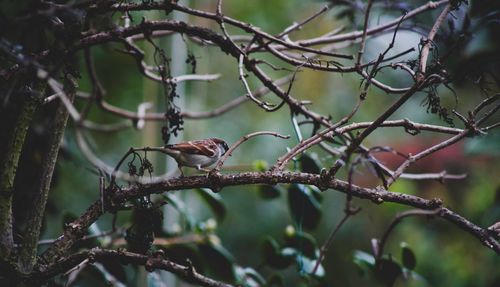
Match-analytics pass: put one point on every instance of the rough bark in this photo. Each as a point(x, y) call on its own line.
point(9, 167)
point(28, 251)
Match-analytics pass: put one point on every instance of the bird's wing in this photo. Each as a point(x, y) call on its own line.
point(195, 147)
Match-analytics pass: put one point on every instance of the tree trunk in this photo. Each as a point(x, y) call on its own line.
point(28, 252)
point(12, 151)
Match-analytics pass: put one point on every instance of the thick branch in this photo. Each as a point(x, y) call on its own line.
point(77, 229)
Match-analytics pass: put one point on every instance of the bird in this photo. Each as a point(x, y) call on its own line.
point(197, 153)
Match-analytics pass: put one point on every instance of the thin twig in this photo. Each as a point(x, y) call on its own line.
point(214, 16)
point(374, 125)
point(413, 158)
point(428, 42)
point(488, 114)
point(239, 142)
point(377, 29)
point(399, 217)
point(101, 165)
point(490, 127)
point(304, 145)
point(330, 238)
point(471, 128)
point(57, 88)
point(441, 176)
point(365, 27)
point(234, 103)
point(264, 105)
point(380, 59)
point(220, 19)
point(300, 24)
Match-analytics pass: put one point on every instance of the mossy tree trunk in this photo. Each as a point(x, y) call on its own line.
point(15, 137)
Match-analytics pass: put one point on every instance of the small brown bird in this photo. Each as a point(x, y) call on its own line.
point(197, 154)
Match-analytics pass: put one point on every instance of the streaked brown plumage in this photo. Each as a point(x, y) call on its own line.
point(198, 153)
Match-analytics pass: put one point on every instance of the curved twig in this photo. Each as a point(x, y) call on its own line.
point(235, 103)
point(399, 217)
point(267, 107)
point(239, 142)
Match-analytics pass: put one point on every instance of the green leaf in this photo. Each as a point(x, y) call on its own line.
point(304, 207)
point(364, 261)
point(269, 246)
point(275, 257)
point(270, 191)
point(316, 192)
point(364, 257)
point(218, 260)
point(179, 205)
point(288, 252)
point(214, 201)
point(304, 242)
point(413, 278)
point(308, 265)
point(310, 163)
point(249, 277)
point(260, 165)
point(389, 271)
point(408, 257)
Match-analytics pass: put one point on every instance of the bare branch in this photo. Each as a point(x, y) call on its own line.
point(383, 27)
point(214, 16)
point(239, 142)
point(413, 158)
point(103, 255)
point(399, 217)
point(339, 136)
point(220, 19)
point(77, 228)
point(264, 105)
point(234, 103)
point(299, 25)
point(101, 165)
point(329, 240)
point(424, 54)
point(365, 27)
